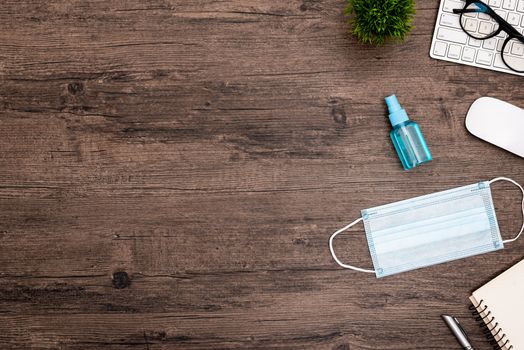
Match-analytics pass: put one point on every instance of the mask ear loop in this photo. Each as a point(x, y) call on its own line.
point(522, 204)
point(333, 251)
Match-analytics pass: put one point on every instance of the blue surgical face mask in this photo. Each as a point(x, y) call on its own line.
point(431, 229)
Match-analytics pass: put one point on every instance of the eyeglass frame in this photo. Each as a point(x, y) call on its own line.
point(503, 25)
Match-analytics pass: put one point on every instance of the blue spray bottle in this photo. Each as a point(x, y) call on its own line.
point(407, 137)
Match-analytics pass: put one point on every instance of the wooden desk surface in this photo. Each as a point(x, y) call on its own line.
point(170, 172)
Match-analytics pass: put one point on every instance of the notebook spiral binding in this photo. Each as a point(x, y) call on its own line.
point(490, 332)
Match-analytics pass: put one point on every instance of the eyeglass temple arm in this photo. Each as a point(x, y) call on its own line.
point(467, 10)
point(508, 28)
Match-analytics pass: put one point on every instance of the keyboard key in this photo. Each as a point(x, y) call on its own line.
point(499, 63)
point(522, 24)
point(520, 6)
point(484, 16)
point(516, 62)
point(450, 5)
point(513, 18)
point(471, 25)
point(495, 3)
point(468, 54)
point(454, 51)
point(484, 57)
point(500, 44)
point(502, 14)
point(440, 48)
point(450, 20)
point(475, 42)
point(506, 49)
point(485, 28)
point(517, 49)
point(456, 36)
point(490, 44)
point(509, 4)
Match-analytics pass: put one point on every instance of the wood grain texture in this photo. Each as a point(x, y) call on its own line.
point(170, 172)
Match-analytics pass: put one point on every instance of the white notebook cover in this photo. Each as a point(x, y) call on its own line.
point(501, 303)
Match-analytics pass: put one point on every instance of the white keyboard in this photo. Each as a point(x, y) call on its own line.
point(451, 43)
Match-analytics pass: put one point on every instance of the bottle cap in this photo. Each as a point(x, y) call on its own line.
point(397, 114)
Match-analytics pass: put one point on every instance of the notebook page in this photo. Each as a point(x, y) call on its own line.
point(504, 297)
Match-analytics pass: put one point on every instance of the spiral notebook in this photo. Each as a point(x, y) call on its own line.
point(499, 306)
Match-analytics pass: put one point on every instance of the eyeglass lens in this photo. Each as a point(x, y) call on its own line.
point(477, 21)
point(514, 54)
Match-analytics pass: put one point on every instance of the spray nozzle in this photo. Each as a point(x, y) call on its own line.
point(397, 114)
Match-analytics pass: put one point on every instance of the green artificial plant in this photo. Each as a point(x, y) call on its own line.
point(375, 21)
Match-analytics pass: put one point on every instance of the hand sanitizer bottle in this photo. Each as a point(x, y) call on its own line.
point(407, 137)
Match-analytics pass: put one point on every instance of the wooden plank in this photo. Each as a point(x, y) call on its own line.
point(170, 172)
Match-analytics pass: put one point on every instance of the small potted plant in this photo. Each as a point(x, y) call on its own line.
point(377, 21)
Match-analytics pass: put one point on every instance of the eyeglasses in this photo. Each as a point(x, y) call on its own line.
point(481, 22)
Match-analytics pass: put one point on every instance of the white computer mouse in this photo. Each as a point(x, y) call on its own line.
point(497, 122)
